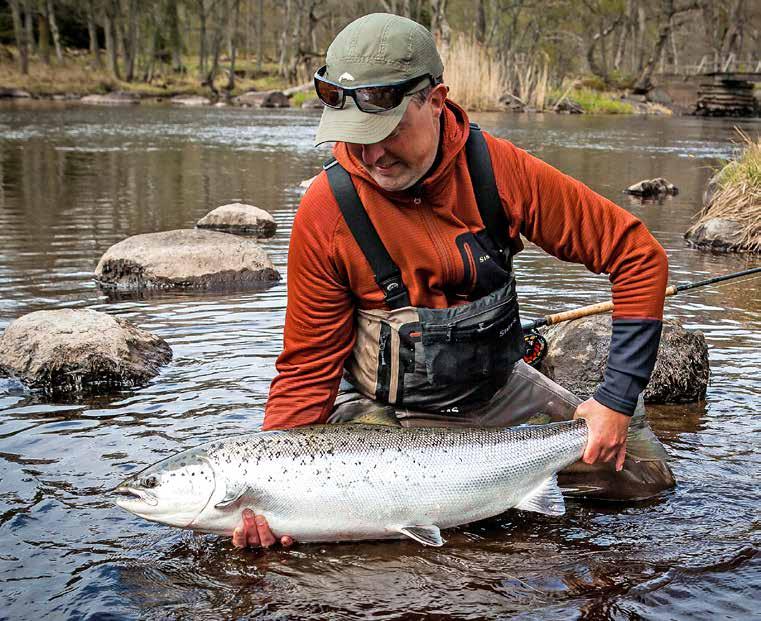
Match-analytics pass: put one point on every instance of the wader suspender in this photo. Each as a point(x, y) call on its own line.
point(387, 274)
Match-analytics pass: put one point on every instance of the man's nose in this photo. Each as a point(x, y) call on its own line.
point(371, 153)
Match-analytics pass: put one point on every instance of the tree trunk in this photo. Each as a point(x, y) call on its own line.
point(216, 45)
point(439, 24)
point(54, 31)
point(600, 69)
point(175, 39)
point(259, 36)
point(732, 41)
point(233, 45)
point(20, 34)
point(644, 82)
point(109, 27)
point(283, 55)
point(92, 32)
point(129, 40)
point(29, 26)
point(202, 39)
point(43, 34)
point(481, 21)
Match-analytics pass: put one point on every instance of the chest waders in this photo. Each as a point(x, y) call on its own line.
point(446, 360)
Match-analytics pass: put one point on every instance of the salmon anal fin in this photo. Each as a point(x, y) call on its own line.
point(545, 499)
point(427, 535)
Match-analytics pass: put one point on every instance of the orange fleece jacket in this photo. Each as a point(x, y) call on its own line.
point(328, 274)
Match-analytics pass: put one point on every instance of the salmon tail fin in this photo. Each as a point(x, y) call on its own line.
point(641, 443)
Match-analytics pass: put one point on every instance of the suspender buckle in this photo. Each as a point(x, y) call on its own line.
point(394, 291)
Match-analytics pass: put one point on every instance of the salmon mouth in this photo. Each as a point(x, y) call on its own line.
point(128, 495)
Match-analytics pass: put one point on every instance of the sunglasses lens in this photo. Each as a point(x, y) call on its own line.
point(329, 94)
point(379, 98)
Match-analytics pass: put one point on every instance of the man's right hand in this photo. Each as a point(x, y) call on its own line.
point(254, 532)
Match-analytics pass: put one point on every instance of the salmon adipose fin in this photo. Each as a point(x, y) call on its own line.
point(545, 499)
point(427, 535)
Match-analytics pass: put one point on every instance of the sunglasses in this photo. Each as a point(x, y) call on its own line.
point(371, 98)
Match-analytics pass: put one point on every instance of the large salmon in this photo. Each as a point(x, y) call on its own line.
point(344, 482)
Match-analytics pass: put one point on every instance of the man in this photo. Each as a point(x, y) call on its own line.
point(401, 298)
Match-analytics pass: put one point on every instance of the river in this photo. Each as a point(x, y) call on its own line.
point(75, 180)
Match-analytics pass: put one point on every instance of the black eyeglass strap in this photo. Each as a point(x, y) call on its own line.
point(387, 274)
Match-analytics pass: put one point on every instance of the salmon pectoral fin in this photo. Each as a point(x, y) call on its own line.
point(545, 499)
point(232, 496)
point(429, 535)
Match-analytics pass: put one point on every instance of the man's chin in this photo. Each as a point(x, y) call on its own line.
point(393, 183)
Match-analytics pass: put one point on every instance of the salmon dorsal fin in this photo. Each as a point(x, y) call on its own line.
point(427, 535)
point(545, 499)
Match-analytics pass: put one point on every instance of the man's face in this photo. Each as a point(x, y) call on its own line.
point(403, 157)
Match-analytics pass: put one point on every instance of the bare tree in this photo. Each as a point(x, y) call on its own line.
point(233, 34)
point(20, 33)
point(29, 25)
point(43, 32)
point(110, 13)
point(668, 9)
point(260, 36)
point(92, 32)
point(54, 30)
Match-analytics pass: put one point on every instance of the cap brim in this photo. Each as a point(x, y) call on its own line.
point(350, 124)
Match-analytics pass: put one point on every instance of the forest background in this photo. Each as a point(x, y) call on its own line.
point(496, 51)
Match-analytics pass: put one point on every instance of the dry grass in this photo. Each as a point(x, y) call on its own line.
point(476, 80)
point(738, 195)
point(77, 75)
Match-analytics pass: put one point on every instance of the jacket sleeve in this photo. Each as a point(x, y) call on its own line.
point(319, 322)
point(568, 220)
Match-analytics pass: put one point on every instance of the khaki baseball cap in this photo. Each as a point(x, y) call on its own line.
point(379, 48)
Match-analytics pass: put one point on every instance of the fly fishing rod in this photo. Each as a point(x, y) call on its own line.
point(536, 345)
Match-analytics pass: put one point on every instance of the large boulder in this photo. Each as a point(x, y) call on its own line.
point(720, 234)
point(648, 188)
point(577, 355)
point(80, 351)
point(185, 258)
point(239, 218)
point(111, 99)
point(263, 99)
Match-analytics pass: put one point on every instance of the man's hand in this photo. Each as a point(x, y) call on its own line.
point(607, 433)
point(253, 531)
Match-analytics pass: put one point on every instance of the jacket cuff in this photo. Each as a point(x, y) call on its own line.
point(633, 350)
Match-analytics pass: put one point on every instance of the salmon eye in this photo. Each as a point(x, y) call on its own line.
point(150, 482)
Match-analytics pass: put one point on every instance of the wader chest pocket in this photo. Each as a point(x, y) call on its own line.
point(472, 342)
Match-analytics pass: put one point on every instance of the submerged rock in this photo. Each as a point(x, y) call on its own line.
point(189, 258)
point(80, 351)
point(111, 99)
point(648, 188)
point(577, 355)
point(239, 218)
point(263, 99)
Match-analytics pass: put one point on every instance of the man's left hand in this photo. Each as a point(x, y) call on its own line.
point(607, 433)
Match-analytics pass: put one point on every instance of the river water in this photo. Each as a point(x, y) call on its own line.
point(75, 180)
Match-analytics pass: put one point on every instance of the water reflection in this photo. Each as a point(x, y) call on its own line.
point(73, 181)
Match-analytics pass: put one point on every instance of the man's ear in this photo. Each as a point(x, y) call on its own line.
point(438, 97)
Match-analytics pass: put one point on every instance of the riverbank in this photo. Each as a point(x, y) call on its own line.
point(76, 78)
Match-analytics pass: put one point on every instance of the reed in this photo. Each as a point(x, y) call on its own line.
point(475, 78)
point(737, 195)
